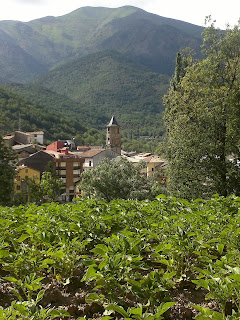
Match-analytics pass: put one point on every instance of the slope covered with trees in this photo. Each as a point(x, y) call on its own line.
point(109, 83)
point(93, 88)
point(16, 111)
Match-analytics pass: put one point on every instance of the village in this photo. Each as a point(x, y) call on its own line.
point(70, 160)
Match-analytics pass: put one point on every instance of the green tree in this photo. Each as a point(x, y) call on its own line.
point(49, 187)
point(203, 119)
point(7, 173)
point(116, 180)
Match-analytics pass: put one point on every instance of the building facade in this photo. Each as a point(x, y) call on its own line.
point(24, 172)
point(68, 168)
point(19, 137)
point(94, 156)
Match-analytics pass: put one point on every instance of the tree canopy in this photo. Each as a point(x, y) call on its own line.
point(7, 173)
point(116, 180)
point(203, 118)
point(48, 189)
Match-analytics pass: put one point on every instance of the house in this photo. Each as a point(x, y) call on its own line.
point(19, 137)
point(24, 172)
point(68, 167)
point(24, 150)
point(94, 156)
point(37, 161)
point(154, 165)
point(83, 148)
point(58, 145)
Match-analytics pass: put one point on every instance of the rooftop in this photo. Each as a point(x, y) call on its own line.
point(113, 122)
point(91, 153)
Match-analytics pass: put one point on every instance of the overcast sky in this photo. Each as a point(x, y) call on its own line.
point(187, 10)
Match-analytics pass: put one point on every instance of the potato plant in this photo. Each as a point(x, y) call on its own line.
point(121, 260)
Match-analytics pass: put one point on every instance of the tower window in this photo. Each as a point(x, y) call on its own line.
point(108, 129)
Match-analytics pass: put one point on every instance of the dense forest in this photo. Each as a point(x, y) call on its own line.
point(17, 112)
point(93, 88)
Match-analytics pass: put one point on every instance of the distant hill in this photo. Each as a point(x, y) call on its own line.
point(15, 111)
point(28, 49)
point(94, 87)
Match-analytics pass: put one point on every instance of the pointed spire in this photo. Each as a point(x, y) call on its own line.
point(113, 122)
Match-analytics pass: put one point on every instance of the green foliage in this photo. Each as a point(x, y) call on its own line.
point(91, 89)
point(47, 189)
point(7, 173)
point(28, 310)
point(33, 118)
point(116, 180)
point(107, 83)
point(131, 255)
point(202, 119)
point(50, 186)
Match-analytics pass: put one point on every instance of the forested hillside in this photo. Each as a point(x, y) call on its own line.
point(93, 63)
point(16, 111)
point(93, 88)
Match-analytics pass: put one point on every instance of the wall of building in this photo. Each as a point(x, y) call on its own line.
point(69, 170)
point(113, 138)
point(93, 162)
point(24, 172)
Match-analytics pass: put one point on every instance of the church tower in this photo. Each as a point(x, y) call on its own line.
point(113, 138)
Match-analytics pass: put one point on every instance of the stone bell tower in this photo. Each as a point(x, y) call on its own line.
point(113, 137)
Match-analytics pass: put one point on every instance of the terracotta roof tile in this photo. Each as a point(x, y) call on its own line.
point(91, 153)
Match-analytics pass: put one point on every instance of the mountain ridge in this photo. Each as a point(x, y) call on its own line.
point(50, 41)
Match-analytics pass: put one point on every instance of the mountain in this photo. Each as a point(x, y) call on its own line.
point(28, 49)
point(16, 111)
point(92, 88)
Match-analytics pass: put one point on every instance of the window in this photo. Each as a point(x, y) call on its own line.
point(76, 164)
point(152, 169)
point(18, 187)
point(18, 178)
point(62, 164)
point(90, 163)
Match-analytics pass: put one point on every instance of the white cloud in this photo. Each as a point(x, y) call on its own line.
point(31, 2)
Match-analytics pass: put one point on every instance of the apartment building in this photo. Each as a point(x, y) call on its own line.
point(69, 167)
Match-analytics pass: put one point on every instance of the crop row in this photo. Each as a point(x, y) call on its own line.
point(121, 260)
